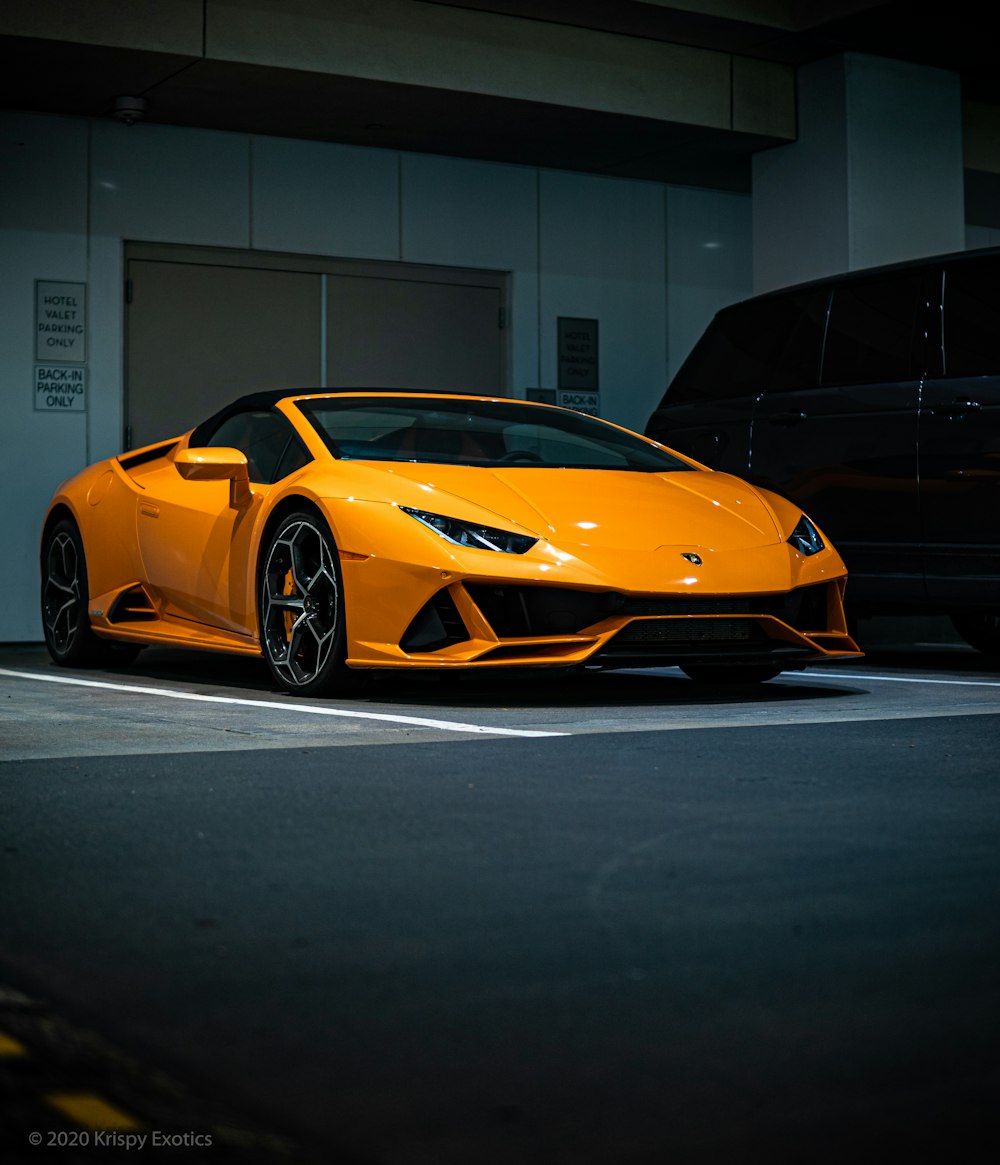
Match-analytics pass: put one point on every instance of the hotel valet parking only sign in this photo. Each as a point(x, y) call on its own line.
point(579, 385)
point(60, 347)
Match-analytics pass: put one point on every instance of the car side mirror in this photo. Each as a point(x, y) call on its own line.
point(217, 464)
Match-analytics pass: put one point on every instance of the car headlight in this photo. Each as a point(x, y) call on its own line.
point(470, 534)
point(806, 538)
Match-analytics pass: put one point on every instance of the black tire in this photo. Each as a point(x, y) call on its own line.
point(980, 630)
point(300, 609)
point(730, 673)
point(65, 620)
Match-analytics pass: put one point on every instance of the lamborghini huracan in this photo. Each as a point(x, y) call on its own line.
point(337, 533)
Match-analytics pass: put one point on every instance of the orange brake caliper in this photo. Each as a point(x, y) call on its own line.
point(289, 589)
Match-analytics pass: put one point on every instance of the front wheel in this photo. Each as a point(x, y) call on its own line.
point(734, 673)
point(980, 630)
point(65, 622)
point(301, 609)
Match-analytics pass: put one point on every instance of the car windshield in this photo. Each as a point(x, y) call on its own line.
point(482, 432)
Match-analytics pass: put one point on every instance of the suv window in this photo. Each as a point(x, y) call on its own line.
point(799, 328)
point(971, 318)
point(273, 449)
point(753, 347)
point(871, 337)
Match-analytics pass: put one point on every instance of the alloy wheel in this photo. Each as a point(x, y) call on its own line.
point(61, 592)
point(300, 602)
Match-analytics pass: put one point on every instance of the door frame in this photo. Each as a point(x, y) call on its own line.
point(322, 265)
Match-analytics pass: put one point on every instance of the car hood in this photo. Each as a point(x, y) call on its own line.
point(586, 508)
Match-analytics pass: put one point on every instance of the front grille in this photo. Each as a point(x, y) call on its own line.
point(516, 612)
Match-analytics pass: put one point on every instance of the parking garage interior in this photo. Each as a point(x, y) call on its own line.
point(613, 918)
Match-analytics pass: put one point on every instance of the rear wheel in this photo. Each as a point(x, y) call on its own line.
point(734, 673)
point(301, 609)
point(66, 624)
point(980, 630)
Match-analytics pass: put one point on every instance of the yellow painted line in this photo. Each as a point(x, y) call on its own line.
point(11, 1047)
point(90, 1111)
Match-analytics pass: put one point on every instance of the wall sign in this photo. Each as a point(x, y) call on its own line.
point(60, 388)
point(60, 321)
point(579, 382)
point(578, 369)
point(60, 335)
point(583, 402)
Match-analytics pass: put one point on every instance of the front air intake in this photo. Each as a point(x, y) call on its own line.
point(437, 624)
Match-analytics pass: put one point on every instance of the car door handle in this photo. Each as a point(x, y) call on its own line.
point(788, 418)
point(957, 408)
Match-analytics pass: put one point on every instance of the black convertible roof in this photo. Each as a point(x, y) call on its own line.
point(267, 400)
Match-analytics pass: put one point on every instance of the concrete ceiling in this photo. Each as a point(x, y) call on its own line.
point(68, 77)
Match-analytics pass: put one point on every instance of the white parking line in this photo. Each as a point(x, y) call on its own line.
point(414, 721)
point(832, 675)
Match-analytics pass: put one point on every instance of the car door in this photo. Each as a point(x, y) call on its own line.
point(195, 546)
point(845, 450)
point(960, 441)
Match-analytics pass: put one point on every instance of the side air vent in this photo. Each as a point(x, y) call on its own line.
point(131, 460)
point(132, 606)
point(437, 624)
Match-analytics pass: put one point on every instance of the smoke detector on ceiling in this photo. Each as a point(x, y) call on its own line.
point(129, 110)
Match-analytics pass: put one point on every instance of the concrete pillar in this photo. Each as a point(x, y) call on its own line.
point(875, 176)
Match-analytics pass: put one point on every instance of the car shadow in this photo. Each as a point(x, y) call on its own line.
point(946, 659)
point(589, 689)
point(595, 689)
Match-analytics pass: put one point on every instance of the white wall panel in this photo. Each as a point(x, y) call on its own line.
point(323, 199)
point(158, 183)
point(106, 282)
point(709, 262)
point(479, 214)
point(800, 191)
point(43, 216)
point(602, 257)
point(981, 237)
point(904, 159)
point(875, 176)
point(152, 183)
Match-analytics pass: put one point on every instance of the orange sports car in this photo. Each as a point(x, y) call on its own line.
point(337, 533)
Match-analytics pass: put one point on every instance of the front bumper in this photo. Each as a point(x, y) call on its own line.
point(480, 624)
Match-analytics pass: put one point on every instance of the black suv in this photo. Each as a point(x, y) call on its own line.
point(871, 400)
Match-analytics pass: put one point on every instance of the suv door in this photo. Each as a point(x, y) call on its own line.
point(960, 442)
point(845, 450)
point(747, 349)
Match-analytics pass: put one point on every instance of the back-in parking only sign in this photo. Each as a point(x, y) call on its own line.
point(60, 388)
